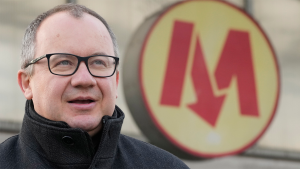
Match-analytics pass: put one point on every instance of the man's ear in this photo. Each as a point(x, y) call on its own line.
point(117, 82)
point(24, 83)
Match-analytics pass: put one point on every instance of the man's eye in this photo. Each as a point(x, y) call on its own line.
point(64, 62)
point(99, 63)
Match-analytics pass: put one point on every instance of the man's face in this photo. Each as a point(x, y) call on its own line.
point(80, 100)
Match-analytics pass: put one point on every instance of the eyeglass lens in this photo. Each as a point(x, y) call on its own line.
point(64, 64)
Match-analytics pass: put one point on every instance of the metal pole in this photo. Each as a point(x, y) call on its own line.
point(71, 1)
point(248, 6)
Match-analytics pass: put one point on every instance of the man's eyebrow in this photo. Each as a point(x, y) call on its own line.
point(99, 53)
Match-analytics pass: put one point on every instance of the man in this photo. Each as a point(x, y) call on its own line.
point(69, 77)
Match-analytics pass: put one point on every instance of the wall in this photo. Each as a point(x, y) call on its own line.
point(279, 19)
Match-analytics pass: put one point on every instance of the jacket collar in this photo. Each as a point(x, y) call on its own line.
point(63, 145)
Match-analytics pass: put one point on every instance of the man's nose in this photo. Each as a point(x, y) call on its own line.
point(82, 77)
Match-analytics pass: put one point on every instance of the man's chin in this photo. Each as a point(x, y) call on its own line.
point(91, 127)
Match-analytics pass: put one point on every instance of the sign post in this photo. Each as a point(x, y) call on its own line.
point(201, 79)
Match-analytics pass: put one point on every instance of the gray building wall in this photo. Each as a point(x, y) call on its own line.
point(278, 18)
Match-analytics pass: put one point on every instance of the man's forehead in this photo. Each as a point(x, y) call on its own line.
point(65, 17)
point(62, 28)
point(65, 22)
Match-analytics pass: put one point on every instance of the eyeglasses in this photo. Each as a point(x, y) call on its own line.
point(64, 64)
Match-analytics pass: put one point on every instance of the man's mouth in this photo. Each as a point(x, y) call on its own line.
point(82, 101)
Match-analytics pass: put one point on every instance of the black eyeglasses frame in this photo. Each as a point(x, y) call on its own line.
point(80, 59)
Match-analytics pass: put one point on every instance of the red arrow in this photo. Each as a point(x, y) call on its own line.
point(236, 61)
point(208, 105)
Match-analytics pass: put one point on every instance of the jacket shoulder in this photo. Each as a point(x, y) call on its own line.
point(134, 153)
point(7, 149)
point(8, 145)
point(15, 154)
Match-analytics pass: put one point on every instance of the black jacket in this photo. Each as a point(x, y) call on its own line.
point(43, 143)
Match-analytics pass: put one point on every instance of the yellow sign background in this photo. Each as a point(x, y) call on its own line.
point(233, 132)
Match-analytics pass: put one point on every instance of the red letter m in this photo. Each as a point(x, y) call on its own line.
point(235, 61)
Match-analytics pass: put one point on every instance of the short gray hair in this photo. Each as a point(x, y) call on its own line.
point(29, 40)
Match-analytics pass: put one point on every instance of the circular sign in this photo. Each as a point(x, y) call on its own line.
point(201, 79)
